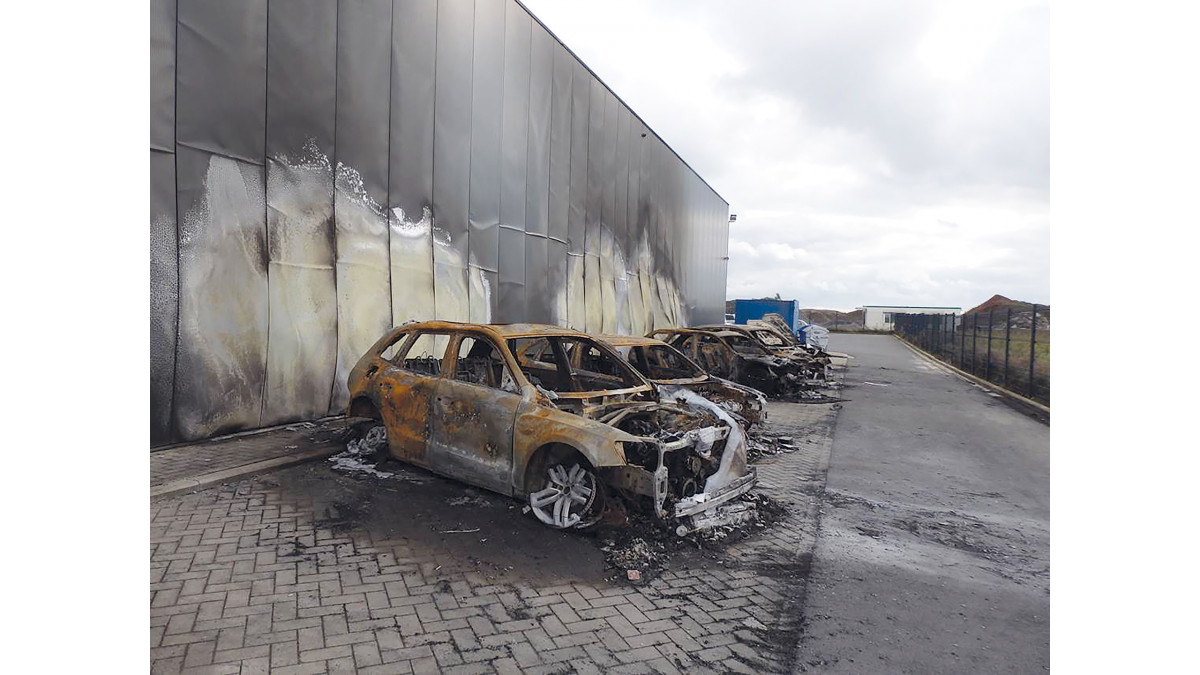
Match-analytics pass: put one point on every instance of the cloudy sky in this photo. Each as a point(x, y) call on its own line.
point(874, 152)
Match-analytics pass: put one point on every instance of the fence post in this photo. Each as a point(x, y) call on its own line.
point(945, 326)
point(836, 316)
point(987, 369)
point(1007, 338)
point(962, 341)
point(1032, 342)
point(974, 341)
point(937, 337)
point(949, 325)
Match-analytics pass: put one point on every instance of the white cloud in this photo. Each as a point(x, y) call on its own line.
point(874, 153)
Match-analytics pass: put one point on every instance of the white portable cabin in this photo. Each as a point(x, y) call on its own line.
point(879, 317)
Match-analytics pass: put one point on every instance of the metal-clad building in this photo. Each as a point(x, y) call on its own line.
point(322, 170)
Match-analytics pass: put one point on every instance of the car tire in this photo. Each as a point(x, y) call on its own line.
point(571, 496)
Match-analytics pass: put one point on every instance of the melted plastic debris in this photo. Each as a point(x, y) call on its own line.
point(640, 544)
point(360, 454)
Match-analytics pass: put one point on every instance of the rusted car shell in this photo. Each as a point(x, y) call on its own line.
point(783, 346)
point(464, 437)
point(772, 375)
point(751, 403)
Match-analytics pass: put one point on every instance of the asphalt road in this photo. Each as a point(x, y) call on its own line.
point(933, 554)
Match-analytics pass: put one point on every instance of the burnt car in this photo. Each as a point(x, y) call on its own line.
point(776, 322)
point(666, 366)
point(731, 355)
point(783, 346)
point(549, 415)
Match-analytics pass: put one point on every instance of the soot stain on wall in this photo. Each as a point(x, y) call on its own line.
point(493, 179)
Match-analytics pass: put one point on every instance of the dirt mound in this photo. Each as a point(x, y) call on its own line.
point(1000, 303)
point(1022, 312)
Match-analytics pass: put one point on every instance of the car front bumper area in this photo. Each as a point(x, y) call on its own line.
point(692, 513)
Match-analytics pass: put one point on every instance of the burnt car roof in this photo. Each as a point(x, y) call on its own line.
point(713, 330)
point(738, 329)
point(629, 340)
point(500, 330)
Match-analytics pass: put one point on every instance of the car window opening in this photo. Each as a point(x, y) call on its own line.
point(663, 363)
point(744, 345)
point(423, 353)
point(570, 365)
point(479, 362)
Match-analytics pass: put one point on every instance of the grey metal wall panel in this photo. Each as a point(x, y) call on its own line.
point(221, 355)
point(301, 77)
point(608, 168)
point(558, 272)
point(414, 50)
point(561, 156)
point(595, 166)
point(302, 334)
point(537, 161)
point(620, 221)
point(162, 75)
point(364, 35)
point(514, 132)
point(621, 266)
point(592, 288)
point(411, 168)
point(164, 294)
point(487, 100)
point(514, 152)
point(221, 77)
point(633, 222)
point(540, 295)
point(452, 157)
point(581, 91)
point(577, 213)
point(364, 298)
point(510, 306)
point(483, 239)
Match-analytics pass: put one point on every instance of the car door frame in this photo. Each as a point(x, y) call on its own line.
point(465, 418)
point(405, 398)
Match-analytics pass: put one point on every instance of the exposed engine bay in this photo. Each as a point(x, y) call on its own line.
point(690, 456)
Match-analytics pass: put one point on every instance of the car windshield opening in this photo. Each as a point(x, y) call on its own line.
point(769, 338)
point(744, 345)
point(569, 364)
point(660, 362)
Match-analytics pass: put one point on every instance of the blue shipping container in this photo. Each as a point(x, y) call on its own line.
point(745, 310)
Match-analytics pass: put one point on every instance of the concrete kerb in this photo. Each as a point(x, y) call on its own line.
point(992, 386)
point(204, 480)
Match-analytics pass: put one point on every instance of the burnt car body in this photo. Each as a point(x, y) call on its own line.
point(731, 355)
point(781, 345)
point(779, 325)
point(550, 415)
point(665, 365)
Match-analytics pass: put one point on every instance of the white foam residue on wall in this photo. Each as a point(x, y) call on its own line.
point(223, 303)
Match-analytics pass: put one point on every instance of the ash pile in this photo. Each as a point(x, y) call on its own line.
point(767, 444)
point(638, 548)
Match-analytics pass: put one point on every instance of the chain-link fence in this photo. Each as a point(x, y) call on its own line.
point(1009, 346)
point(835, 321)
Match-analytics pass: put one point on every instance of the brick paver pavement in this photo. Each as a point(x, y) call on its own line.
point(245, 579)
point(231, 452)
